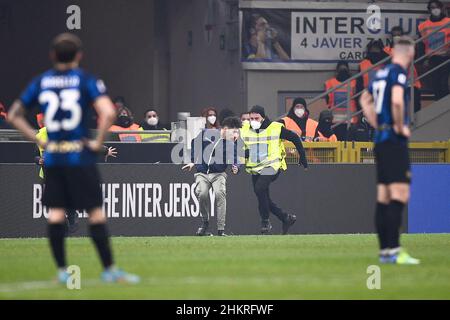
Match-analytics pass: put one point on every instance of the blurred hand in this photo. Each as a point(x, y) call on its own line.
point(234, 169)
point(404, 131)
point(261, 36)
point(41, 143)
point(275, 35)
point(41, 161)
point(112, 152)
point(94, 145)
point(188, 167)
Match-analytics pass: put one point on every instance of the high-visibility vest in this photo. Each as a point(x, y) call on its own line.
point(338, 96)
point(437, 39)
point(417, 82)
point(128, 137)
point(311, 129)
point(367, 77)
point(266, 150)
point(156, 137)
point(42, 135)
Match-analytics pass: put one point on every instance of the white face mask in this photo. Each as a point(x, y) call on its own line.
point(300, 112)
point(436, 12)
point(152, 121)
point(255, 124)
point(212, 119)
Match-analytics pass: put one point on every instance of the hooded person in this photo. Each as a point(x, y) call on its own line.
point(324, 131)
point(375, 54)
point(337, 99)
point(297, 120)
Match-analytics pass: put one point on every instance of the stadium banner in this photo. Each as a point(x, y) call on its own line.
point(429, 206)
point(159, 200)
point(289, 35)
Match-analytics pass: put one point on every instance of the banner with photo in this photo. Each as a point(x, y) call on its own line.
point(315, 35)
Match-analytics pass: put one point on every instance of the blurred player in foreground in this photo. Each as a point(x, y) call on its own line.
point(385, 105)
point(65, 94)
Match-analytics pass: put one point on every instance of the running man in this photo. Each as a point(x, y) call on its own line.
point(265, 159)
point(385, 105)
point(65, 94)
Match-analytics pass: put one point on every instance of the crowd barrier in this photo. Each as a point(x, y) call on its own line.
point(362, 152)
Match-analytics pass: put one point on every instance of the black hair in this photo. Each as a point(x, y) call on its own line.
point(439, 3)
point(397, 28)
point(232, 122)
point(342, 63)
point(405, 41)
point(65, 47)
point(223, 114)
point(375, 44)
point(148, 110)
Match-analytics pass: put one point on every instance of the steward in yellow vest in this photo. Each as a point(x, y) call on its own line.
point(265, 159)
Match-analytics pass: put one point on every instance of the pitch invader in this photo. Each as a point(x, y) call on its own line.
point(65, 95)
point(385, 105)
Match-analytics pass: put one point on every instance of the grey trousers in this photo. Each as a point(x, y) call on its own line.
point(218, 182)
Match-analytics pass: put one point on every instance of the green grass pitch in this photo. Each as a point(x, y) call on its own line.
point(239, 267)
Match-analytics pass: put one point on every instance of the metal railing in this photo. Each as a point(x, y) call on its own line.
point(146, 136)
point(412, 80)
point(363, 152)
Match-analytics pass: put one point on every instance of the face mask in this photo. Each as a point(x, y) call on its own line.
point(255, 124)
point(375, 57)
point(300, 112)
point(124, 121)
point(212, 119)
point(436, 12)
point(245, 122)
point(152, 121)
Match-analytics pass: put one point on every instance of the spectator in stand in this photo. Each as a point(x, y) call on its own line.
point(125, 122)
point(438, 18)
point(324, 131)
point(298, 120)
point(339, 98)
point(151, 121)
point(375, 53)
point(361, 131)
point(210, 114)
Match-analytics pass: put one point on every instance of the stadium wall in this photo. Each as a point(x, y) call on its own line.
point(429, 208)
point(158, 200)
point(118, 38)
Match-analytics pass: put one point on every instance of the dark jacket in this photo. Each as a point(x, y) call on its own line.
point(159, 126)
point(209, 152)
